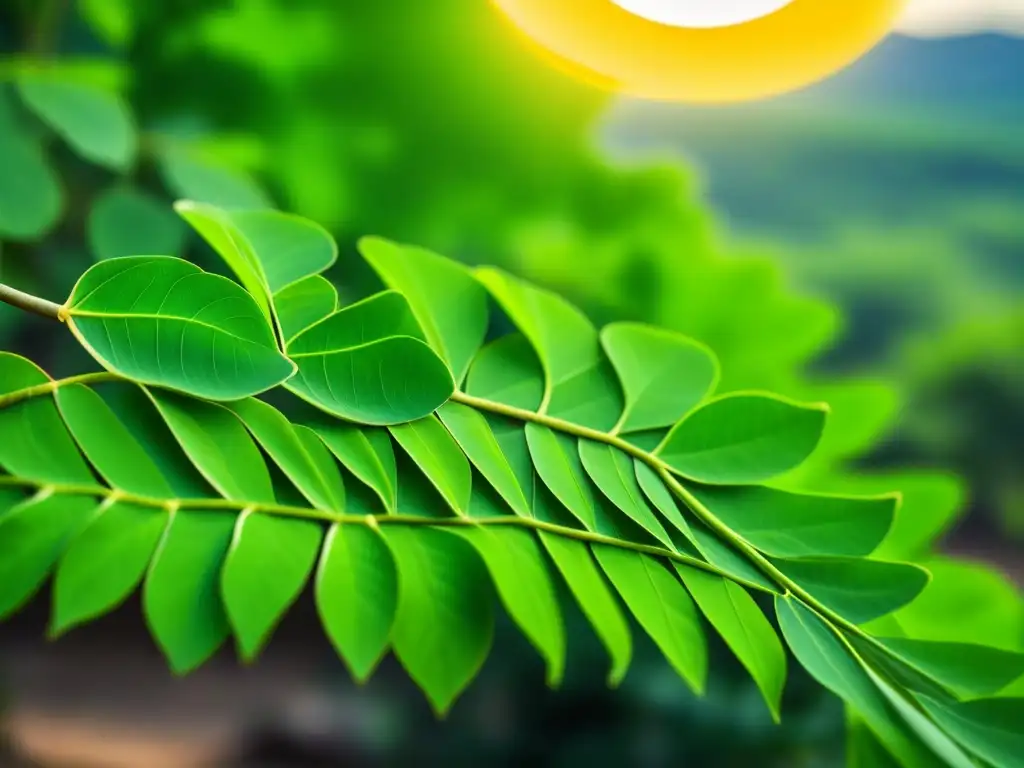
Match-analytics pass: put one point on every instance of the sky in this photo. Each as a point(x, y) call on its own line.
point(951, 17)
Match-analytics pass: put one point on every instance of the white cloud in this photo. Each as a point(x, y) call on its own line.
point(952, 17)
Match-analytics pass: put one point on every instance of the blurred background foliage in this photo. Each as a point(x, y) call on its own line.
point(866, 248)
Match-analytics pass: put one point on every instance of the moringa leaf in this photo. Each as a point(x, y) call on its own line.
point(858, 590)
point(437, 454)
point(784, 524)
point(193, 176)
point(991, 728)
point(219, 446)
point(303, 304)
point(303, 459)
point(357, 595)
point(477, 440)
point(105, 564)
point(95, 123)
point(558, 463)
point(521, 576)
point(445, 620)
point(165, 322)
point(449, 304)
point(267, 566)
point(742, 439)
point(126, 222)
point(664, 375)
point(181, 595)
point(736, 617)
point(31, 198)
point(365, 363)
point(663, 607)
point(366, 453)
point(968, 669)
point(507, 371)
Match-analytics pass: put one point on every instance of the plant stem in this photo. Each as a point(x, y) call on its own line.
point(29, 303)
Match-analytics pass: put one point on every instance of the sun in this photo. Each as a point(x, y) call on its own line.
point(703, 51)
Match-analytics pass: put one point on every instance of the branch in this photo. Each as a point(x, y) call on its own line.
point(30, 303)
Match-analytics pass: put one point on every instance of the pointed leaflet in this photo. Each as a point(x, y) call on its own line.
point(663, 374)
point(521, 576)
point(507, 371)
point(126, 222)
point(578, 384)
point(733, 612)
point(445, 621)
point(267, 250)
point(163, 321)
point(743, 439)
point(448, 303)
point(36, 445)
point(109, 446)
point(105, 564)
point(970, 670)
point(32, 536)
point(663, 607)
point(366, 363)
point(557, 459)
point(266, 568)
point(303, 304)
point(357, 595)
point(366, 453)
point(305, 462)
point(588, 586)
point(476, 438)
point(437, 454)
point(614, 474)
point(991, 728)
point(859, 590)
point(784, 524)
point(828, 660)
point(97, 124)
point(217, 443)
point(181, 596)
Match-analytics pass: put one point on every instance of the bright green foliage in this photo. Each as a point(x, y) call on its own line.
point(126, 222)
point(95, 123)
point(303, 304)
point(426, 503)
point(30, 193)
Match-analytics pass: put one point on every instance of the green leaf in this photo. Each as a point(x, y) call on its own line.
point(824, 656)
point(109, 446)
point(448, 303)
point(507, 371)
point(557, 459)
point(576, 564)
point(30, 195)
point(858, 590)
point(615, 475)
point(181, 596)
point(445, 621)
point(357, 595)
point(437, 454)
point(520, 573)
point(663, 607)
point(968, 669)
point(163, 321)
point(476, 439)
point(991, 728)
point(112, 20)
point(366, 453)
point(32, 536)
point(266, 568)
point(736, 617)
point(267, 250)
point(784, 524)
point(366, 364)
point(104, 565)
point(664, 375)
point(36, 444)
point(297, 451)
point(126, 222)
point(217, 443)
point(304, 304)
point(191, 176)
point(743, 439)
point(95, 123)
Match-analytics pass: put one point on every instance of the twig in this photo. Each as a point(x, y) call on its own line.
point(29, 303)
